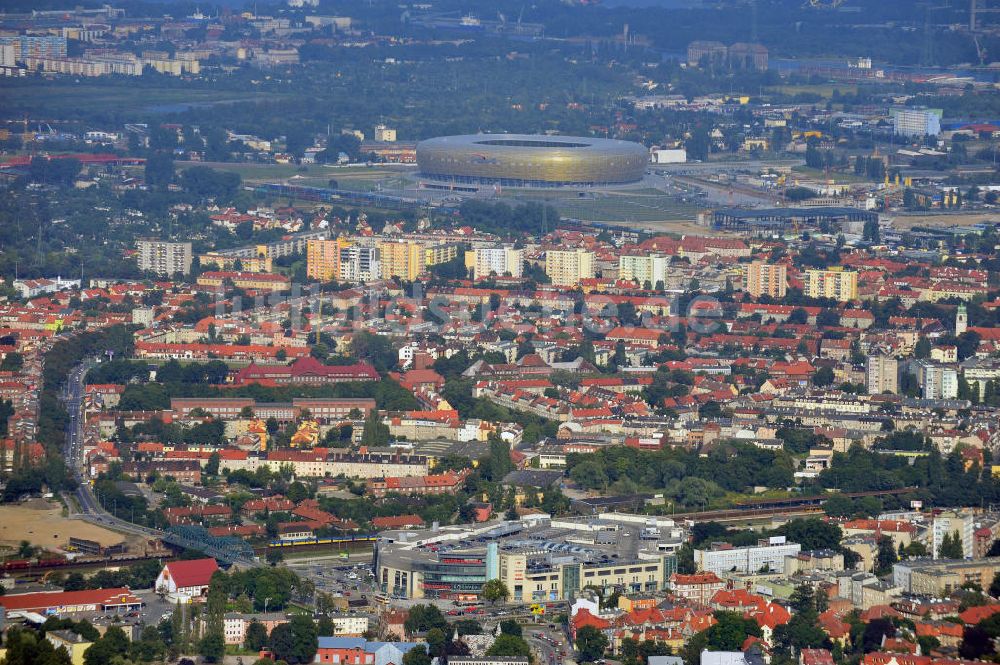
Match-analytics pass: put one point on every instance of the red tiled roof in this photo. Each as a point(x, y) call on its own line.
point(196, 572)
point(55, 599)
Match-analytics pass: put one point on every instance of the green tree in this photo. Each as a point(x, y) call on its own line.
point(510, 646)
point(591, 643)
point(417, 656)
point(212, 646)
point(494, 590)
point(375, 433)
point(256, 636)
point(951, 546)
point(886, 556)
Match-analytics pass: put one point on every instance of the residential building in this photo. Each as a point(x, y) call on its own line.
point(835, 283)
point(234, 624)
point(882, 374)
point(323, 258)
point(403, 259)
point(651, 269)
point(698, 588)
point(953, 523)
point(723, 557)
point(924, 577)
point(163, 257)
point(916, 122)
point(359, 264)
point(936, 381)
point(568, 267)
point(359, 651)
point(74, 644)
point(495, 261)
point(254, 281)
point(765, 279)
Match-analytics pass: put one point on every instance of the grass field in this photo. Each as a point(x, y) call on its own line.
point(62, 100)
point(823, 90)
point(820, 175)
point(354, 178)
point(42, 523)
point(945, 219)
point(637, 205)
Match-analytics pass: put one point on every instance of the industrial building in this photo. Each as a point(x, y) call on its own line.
point(766, 222)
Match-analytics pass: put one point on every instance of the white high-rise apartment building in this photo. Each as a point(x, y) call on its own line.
point(651, 268)
point(163, 257)
point(496, 260)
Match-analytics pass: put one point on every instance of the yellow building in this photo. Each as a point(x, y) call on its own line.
point(765, 279)
point(835, 283)
point(74, 644)
point(323, 258)
point(247, 263)
point(436, 254)
point(568, 267)
point(401, 259)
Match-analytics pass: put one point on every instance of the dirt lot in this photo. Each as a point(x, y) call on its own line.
point(41, 523)
point(957, 219)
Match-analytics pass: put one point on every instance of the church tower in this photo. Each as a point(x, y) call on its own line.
point(961, 320)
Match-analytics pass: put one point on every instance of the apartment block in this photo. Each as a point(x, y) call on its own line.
point(323, 258)
point(760, 279)
point(568, 267)
point(488, 261)
point(401, 259)
point(359, 264)
point(164, 258)
point(835, 283)
point(642, 269)
point(882, 374)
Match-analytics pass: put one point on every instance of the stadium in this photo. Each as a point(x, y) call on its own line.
point(525, 160)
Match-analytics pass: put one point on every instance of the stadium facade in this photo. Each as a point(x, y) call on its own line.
point(526, 160)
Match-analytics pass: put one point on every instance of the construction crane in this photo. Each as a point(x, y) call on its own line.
point(975, 9)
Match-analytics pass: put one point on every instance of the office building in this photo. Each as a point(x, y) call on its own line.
point(916, 122)
point(651, 269)
point(568, 267)
point(164, 258)
point(723, 557)
point(882, 374)
point(760, 279)
point(835, 283)
point(495, 261)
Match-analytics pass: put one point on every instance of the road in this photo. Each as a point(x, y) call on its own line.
point(88, 507)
